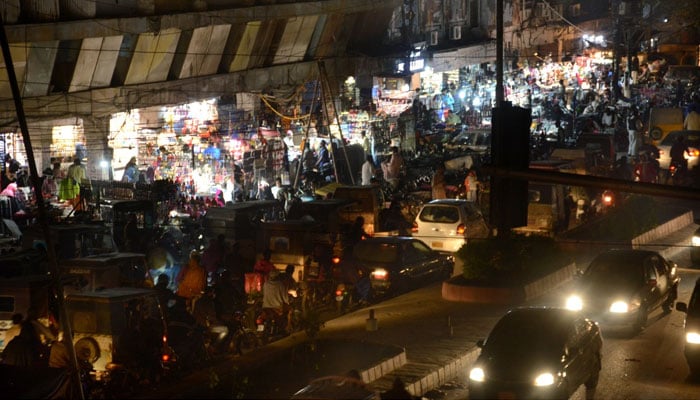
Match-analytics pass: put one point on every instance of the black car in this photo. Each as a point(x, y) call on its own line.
point(396, 263)
point(692, 329)
point(537, 352)
point(695, 248)
point(620, 288)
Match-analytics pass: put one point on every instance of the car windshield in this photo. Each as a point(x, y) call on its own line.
point(437, 213)
point(527, 334)
point(367, 252)
point(614, 269)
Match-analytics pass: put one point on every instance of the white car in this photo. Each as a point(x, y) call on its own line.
point(692, 139)
point(446, 224)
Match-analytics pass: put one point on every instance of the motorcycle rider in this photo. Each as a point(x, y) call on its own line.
point(678, 151)
point(276, 301)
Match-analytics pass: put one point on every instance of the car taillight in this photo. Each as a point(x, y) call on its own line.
point(338, 292)
point(694, 152)
point(166, 357)
point(336, 260)
point(461, 229)
point(414, 228)
point(380, 274)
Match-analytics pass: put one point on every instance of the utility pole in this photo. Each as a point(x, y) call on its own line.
point(499, 53)
point(43, 220)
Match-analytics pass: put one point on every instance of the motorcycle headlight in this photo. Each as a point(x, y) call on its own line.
point(574, 303)
point(692, 337)
point(695, 241)
point(477, 374)
point(619, 307)
point(544, 379)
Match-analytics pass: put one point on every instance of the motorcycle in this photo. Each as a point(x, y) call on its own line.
point(343, 297)
point(232, 337)
point(678, 174)
point(271, 325)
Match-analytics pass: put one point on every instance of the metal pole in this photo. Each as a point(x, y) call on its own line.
point(340, 129)
point(305, 142)
point(43, 220)
point(499, 53)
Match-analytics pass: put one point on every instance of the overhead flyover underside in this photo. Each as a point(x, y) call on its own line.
point(96, 67)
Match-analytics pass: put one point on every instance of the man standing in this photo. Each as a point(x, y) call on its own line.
point(367, 170)
point(392, 168)
point(10, 170)
point(633, 125)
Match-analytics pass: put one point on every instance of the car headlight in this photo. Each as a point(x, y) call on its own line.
point(692, 337)
point(619, 307)
point(574, 303)
point(477, 374)
point(695, 241)
point(544, 379)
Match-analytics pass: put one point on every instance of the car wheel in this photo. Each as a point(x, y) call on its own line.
point(670, 300)
point(641, 322)
point(592, 381)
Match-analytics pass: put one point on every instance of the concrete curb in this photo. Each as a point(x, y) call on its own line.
point(662, 230)
point(443, 374)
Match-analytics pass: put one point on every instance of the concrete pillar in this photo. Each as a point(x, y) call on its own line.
point(96, 137)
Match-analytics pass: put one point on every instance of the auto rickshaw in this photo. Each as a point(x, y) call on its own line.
point(103, 271)
point(73, 240)
point(663, 120)
point(120, 329)
point(26, 295)
point(367, 202)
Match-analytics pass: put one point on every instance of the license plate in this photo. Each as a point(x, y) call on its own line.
point(437, 244)
point(261, 328)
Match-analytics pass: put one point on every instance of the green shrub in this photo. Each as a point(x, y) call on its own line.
point(513, 260)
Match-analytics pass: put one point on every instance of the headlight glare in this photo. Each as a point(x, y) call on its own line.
point(695, 241)
point(692, 337)
point(477, 375)
point(544, 379)
point(574, 303)
point(619, 307)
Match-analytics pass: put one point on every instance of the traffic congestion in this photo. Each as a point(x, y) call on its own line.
point(349, 199)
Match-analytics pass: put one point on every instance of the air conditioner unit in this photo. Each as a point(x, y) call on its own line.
point(456, 33)
point(433, 38)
